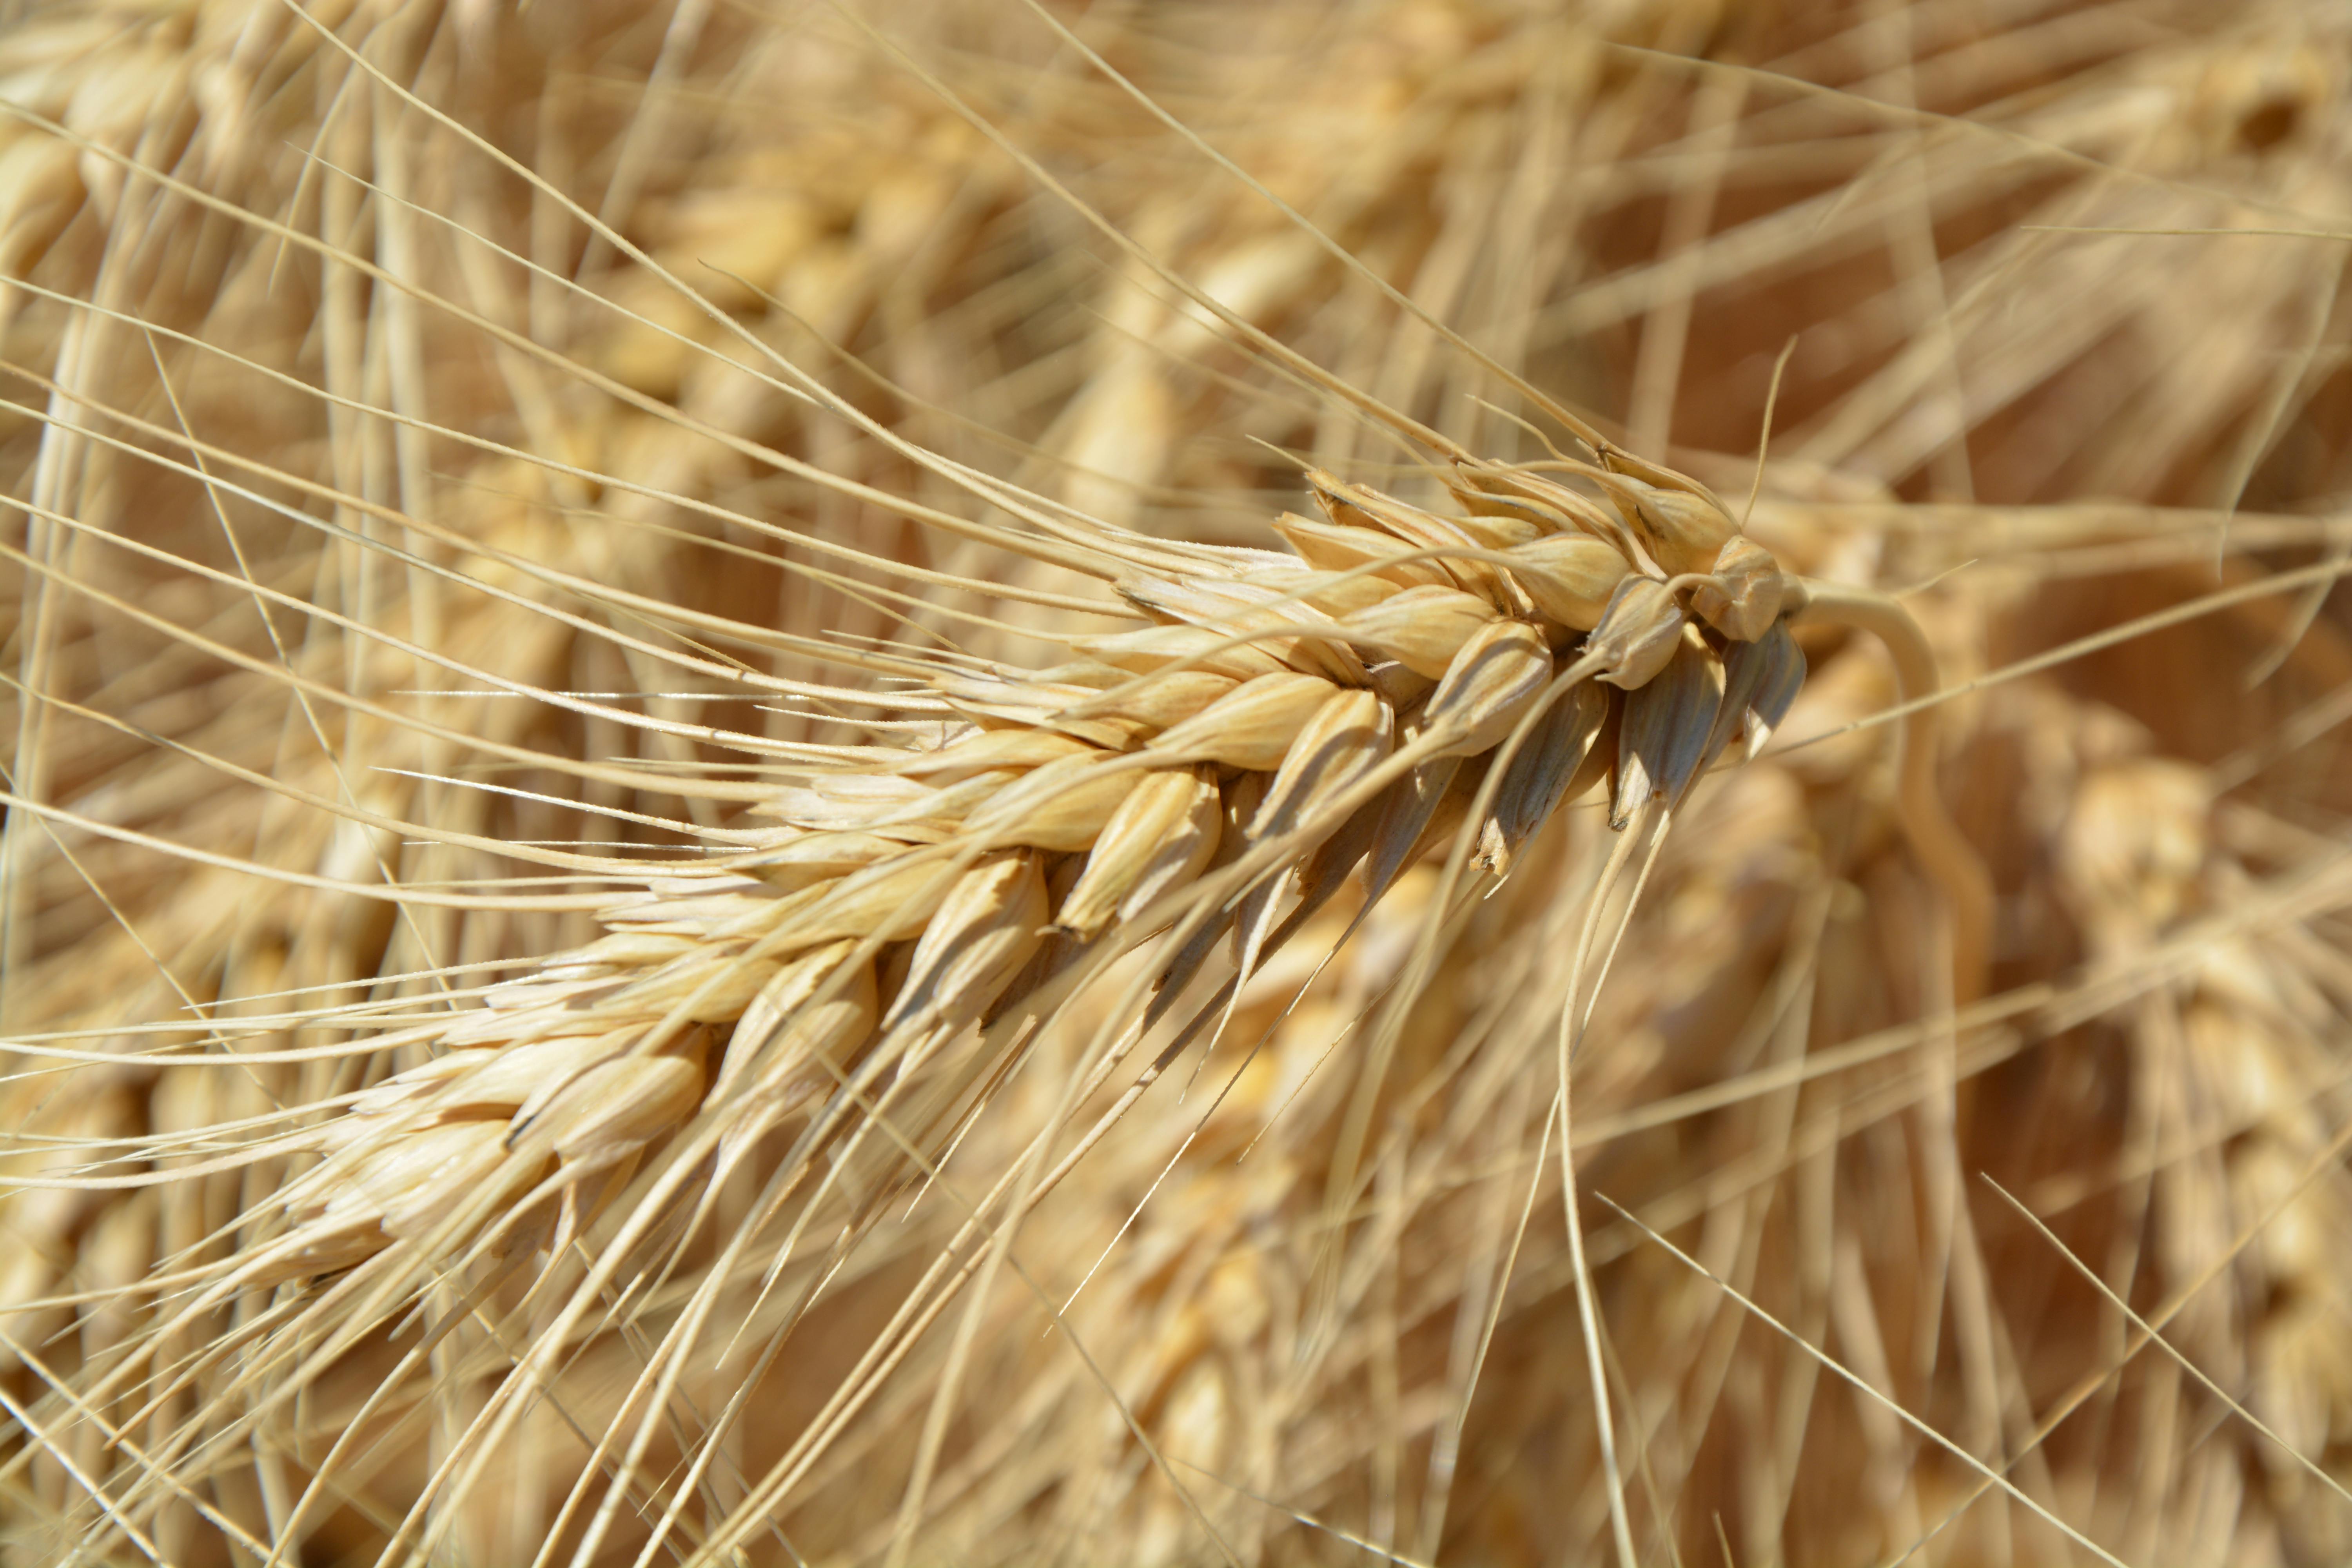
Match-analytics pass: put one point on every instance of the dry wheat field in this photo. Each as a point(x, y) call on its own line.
point(1210, 782)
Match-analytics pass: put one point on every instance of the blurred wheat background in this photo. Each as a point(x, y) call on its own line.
point(402, 474)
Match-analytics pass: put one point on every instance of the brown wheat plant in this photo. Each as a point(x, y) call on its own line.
point(1439, 782)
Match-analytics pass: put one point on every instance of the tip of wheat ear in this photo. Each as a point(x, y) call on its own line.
point(1318, 714)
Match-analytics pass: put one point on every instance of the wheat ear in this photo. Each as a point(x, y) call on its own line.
point(1288, 720)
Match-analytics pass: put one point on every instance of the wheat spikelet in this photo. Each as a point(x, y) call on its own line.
point(672, 1239)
